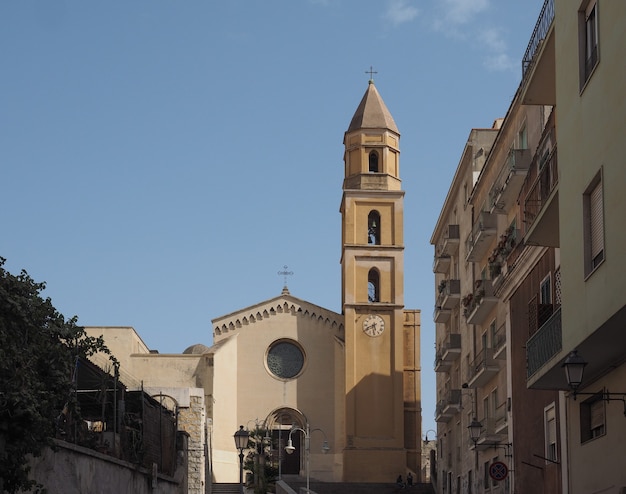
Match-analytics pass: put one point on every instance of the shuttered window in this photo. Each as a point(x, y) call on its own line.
point(593, 210)
point(592, 417)
point(550, 432)
point(596, 214)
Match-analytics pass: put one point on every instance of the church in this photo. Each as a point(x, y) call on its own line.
point(349, 382)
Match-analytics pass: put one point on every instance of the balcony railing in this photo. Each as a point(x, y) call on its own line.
point(482, 368)
point(542, 27)
point(499, 342)
point(441, 264)
point(449, 294)
point(507, 186)
point(450, 241)
point(478, 304)
point(480, 237)
point(488, 434)
point(448, 352)
point(449, 406)
point(545, 343)
point(546, 181)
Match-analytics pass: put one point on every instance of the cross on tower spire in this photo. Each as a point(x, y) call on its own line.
point(371, 72)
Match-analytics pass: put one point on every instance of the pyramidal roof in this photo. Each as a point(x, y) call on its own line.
point(372, 112)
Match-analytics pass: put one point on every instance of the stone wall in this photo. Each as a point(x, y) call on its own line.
point(76, 470)
point(191, 420)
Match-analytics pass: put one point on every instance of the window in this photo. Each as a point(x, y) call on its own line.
point(486, 475)
point(593, 217)
point(373, 228)
point(550, 432)
point(373, 162)
point(545, 290)
point(592, 418)
point(587, 40)
point(285, 359)
point(494, 402)
point(522, 138)
point(492, 333)
point(373, 286)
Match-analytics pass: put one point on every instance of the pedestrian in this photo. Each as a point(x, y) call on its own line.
point(409, 479)
point(400, 482)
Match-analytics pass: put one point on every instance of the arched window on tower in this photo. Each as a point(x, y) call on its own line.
point(373, 285)
point(373, 228)
point(373, 158)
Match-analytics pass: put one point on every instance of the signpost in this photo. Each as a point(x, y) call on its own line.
point(498, 470)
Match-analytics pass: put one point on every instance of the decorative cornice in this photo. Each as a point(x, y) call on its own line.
point(282, 305)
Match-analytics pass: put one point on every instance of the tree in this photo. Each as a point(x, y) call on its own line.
point(39, 349)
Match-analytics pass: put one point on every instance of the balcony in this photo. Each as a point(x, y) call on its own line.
point(501, 420)
point(499, 343)
point(478, 305)
point(449, 294)
point(488, 435)
point(479, 239)
point(441, 315)
point(538, 74)
point(441, 264)
point(450, 241)
point(544, 344)
point(449, 406)
point(448, 352)
point(482, 368)
point(507, 186)
point(541, 204)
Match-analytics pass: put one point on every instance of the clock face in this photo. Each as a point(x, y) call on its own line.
point(373, 325)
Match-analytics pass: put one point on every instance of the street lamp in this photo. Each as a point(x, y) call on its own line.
point(426, 440)
point(241, 443)
point(307, 448)
point(474, 430)
point(574, 366)
point(574, 369)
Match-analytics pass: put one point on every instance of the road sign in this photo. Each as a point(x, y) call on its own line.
point(498, 470)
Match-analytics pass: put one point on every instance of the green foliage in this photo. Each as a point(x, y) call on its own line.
point(38, 351)
point(258, 461)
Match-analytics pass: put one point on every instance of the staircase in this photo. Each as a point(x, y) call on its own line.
point(359, 488)
point(225, 488)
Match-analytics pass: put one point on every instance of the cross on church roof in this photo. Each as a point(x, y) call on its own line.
point(285, 273)
point(371, 72)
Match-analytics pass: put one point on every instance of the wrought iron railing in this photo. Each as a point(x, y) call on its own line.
point(539, 33)
point(546, 181)
point(544, 344)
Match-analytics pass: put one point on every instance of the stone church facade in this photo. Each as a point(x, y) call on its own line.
point(352, 379)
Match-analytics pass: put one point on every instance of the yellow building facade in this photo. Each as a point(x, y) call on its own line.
point(351, 379)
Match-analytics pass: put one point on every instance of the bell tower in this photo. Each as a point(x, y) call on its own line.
point(373, 295)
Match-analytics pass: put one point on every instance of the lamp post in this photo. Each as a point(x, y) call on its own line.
point(307, 448)
point(426, 440)
point(241, 443)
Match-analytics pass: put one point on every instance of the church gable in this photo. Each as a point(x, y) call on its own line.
point(230, 324)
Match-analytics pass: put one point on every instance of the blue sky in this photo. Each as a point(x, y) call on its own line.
point(162, 160)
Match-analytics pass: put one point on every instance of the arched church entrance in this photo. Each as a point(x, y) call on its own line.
point(279, 423)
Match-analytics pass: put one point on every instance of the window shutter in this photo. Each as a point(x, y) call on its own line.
point(597, 414)
point(596, 218)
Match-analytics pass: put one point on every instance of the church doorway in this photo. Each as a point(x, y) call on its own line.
point(280, 422)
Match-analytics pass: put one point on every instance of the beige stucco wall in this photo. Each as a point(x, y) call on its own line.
point(590, 135)
point(245, 391)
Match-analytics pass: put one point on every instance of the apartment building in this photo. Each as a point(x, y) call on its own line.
point(578, 206)
point(529, 278)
